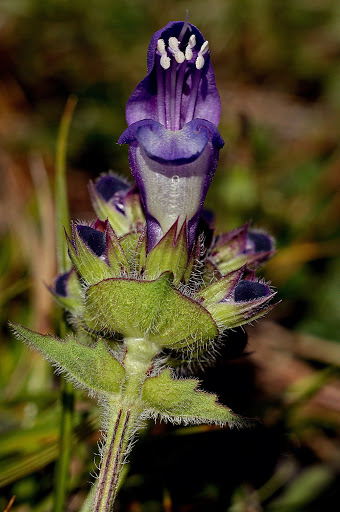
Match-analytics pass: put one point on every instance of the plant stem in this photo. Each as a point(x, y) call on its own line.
point(118, 436)
point(122, 421)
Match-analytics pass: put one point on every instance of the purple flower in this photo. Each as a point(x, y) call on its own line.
point(174, 141)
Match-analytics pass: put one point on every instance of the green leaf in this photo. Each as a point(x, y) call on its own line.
point(180, 401)
point(304, 489)
point(94, 368)
point(154, 310)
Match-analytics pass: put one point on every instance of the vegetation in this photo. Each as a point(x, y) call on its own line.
point(278, 72)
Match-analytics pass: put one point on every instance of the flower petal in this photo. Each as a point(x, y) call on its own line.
point(173, 171)
point(143, 103)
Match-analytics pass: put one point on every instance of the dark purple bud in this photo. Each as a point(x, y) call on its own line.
point(61, 282)
point(110, 186)
point(94, 239)
point(258, 242)
point(250, 290)
point(112, 190)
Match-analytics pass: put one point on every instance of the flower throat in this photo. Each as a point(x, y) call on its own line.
point(176, 67)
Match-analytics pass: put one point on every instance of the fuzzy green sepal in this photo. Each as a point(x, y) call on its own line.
point(119, 222)
point(89, 266)
point(170, 254)
point(230, 314)
point(220, 289)
point(154, 310)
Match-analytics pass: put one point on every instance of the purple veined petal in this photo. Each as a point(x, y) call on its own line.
point(250, 290)
point(173, 171)
point(181, 93)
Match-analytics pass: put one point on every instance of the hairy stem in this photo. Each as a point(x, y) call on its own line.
point(119, 432)
point(122, 421)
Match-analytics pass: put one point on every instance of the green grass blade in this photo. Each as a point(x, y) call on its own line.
point(61, 201)
point(64, 264)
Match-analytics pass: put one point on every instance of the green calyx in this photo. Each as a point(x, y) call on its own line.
point(152, 309)
point(92, 268)
point(170, 254)
point(73, 301)
point(122, 223)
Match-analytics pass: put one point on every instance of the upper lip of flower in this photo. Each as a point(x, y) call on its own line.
point(180, 82)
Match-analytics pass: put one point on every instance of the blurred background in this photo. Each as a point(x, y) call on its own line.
point(277, 66)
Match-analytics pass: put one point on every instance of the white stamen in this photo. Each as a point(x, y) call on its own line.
point(165, 61)
point(204, 48)
point(174, 49)
point(173, 43)
point(179, 56)
point(190, 45)
point(188, 53)
point(200, 59)
point(161, 46)
point(192, 41)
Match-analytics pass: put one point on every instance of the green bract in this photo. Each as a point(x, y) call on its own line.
point(180, 400)
point(154, 310)
point(93, 368)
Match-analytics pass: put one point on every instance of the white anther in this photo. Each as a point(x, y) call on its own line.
point(188, 53)
point(204, 48)
point(179, 56)
point(174, 49)
point(200, 59)
point(161, 46)
point(190, 45)
point(174, 44)
point(192, 41)
point(165, 61)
